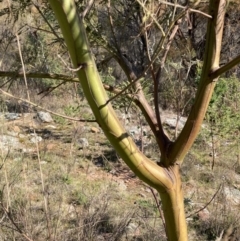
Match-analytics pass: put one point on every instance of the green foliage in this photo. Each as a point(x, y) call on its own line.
point(71, 110)
point(108, 78)
point(223, 112)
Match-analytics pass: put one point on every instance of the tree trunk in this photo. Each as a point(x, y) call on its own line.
point(173, 207)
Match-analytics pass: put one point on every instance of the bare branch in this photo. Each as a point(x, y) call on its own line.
point(159, 208)
point(42, 108)
point(152, 17)
point(17, 228)
point(225, 67)
point(87, 8)
point(23, 66)
point(207, 204)
point(48, 23)
point(186, 8)
point(39, 75)
point(66, 78)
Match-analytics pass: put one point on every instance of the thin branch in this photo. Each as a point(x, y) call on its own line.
point(160, 47)
point(23, 67)
point(156, 78)
point(186, 7)
point(207, 204)
point(39, 75)
point(46, 208)
point(50, 89)
point(225, 67)
point(66, 78)
point(87, 8)
point(19, 230)
point(111, 25)
point(48, 23)
point(159, 208)
point(122, 91)
point(42, 108)
point(69, 68)
point(152, 17)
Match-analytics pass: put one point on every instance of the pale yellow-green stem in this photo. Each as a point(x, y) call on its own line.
point(164, 180)
point(75, 37)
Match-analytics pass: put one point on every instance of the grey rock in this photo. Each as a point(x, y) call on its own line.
point(12, 116)
point(232, 195)
point(44, 117)
point(173, 121)
point(83, 142)
point(137, 131)
point(132, 229)
point(126, 117)
point(35, 139)
point(8, 143)
point(134, 130)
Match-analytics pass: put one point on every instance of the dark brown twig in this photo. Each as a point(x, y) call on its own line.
point(19, 230)
point(207, 204)
point(158, 207)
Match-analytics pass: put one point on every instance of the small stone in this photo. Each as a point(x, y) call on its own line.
point(122, 186)
point(133, 229)
point(232, 195)
point(43, 162)
point(51, 127)
point(142, 195)
point(95, 130)
point(12, 116)
point(83, 143)
point(113, 172)
point(204, 215)
point(21, 136)
point(44, 117)
point(35, 139)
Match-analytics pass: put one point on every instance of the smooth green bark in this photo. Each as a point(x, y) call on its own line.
point(165, 179)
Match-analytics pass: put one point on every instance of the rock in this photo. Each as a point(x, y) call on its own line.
point(21, 136)
point(171, 122)
point(134, 131)
point(83, 143)
point(8, 140)
point(204, 215)
point(35, 139)
point(125, 117)
point(12, 116)
point(232, 195)
point(113, 172)
point(95, 130)
point(44, 117)
point(121, 185)
point(132, 229)
point(51, 127)
point(142, 195)
point(138, 131)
